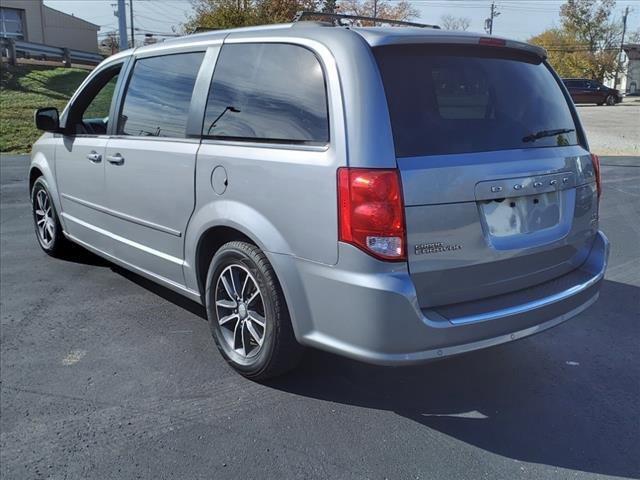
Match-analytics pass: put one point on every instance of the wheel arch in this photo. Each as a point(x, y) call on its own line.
point(232, 220)
point(41, 167)
point(215, 236)
point(34, 174)
point(210, 241)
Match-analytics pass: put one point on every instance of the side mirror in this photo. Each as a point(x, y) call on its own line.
point(47, 119)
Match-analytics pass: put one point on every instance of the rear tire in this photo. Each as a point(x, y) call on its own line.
point(247, 313)
point(46, 221)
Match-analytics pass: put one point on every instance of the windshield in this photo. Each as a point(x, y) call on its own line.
point(454, 99)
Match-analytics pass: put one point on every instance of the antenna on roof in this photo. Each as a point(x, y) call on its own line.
point(338, 17)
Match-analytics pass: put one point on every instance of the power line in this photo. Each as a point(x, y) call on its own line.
point(431, 4)
point(163, 7)
point(153, 19)
point(154, 32)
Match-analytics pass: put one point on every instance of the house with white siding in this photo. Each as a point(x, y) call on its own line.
point(631, 79)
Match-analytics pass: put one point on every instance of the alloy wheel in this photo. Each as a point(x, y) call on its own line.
point(45, 222)
point(240, 311)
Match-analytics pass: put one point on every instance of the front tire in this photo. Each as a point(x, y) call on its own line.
point(46, 221)
point(610, 101)
point(248, 314)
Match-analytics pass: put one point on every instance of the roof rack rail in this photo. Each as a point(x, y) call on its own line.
point(337, 17)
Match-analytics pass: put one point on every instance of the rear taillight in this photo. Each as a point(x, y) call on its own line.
point(371, 214)
point(596, 168)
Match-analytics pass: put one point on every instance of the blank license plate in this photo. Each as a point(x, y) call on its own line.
point(518, 215)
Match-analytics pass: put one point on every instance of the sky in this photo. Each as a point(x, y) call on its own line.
point(518, 19)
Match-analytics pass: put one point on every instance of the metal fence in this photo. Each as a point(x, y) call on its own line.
point(13, 49)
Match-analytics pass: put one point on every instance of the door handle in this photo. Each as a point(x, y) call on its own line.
point(94, 156)
point(116, 159)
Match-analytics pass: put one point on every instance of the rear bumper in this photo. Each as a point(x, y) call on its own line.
point(375, 317)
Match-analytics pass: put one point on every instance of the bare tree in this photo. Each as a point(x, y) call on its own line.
point(110, 44)
point(329, 6)
point(401, 10)
point(449, 22)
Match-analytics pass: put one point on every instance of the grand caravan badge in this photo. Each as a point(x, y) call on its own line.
point(435, 247)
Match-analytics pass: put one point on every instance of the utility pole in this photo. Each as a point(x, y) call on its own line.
point(133, 44)
point(488, 23)
point(122, 25)
point(375, 12)
point(624, 31)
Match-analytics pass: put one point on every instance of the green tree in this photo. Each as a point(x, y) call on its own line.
point(566, 54)
point(588, 41)
point(597, 33)
point(218, 14)
point(283, 11)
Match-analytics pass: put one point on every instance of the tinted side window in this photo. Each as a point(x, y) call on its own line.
point(158, 95)
point(269, 93)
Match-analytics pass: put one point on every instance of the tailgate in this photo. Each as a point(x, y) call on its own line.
point(499, 189)
point(498, 227)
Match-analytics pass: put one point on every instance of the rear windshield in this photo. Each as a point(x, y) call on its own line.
point(452, 99)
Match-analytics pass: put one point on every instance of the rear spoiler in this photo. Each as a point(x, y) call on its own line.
point(380, 38)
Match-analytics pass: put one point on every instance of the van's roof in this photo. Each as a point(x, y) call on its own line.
point(374, 36)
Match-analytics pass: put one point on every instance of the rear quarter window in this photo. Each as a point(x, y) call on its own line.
point(268, 92)
point(452, 99)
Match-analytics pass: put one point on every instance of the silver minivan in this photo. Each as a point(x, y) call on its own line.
point(393, 195)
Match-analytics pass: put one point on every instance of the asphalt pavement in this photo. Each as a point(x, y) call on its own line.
point(107, 376)
point(613, 130)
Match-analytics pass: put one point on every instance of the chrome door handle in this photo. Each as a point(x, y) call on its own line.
point(116, 159)
point(95, 157)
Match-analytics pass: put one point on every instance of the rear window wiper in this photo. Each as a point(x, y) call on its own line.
point(546, 133)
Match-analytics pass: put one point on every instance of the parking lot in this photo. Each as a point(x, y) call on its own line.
point(613, 130)
point(105, 375)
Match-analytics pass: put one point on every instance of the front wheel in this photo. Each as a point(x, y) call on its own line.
point(46, 221)
point(611, 100)
point(247, 313)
